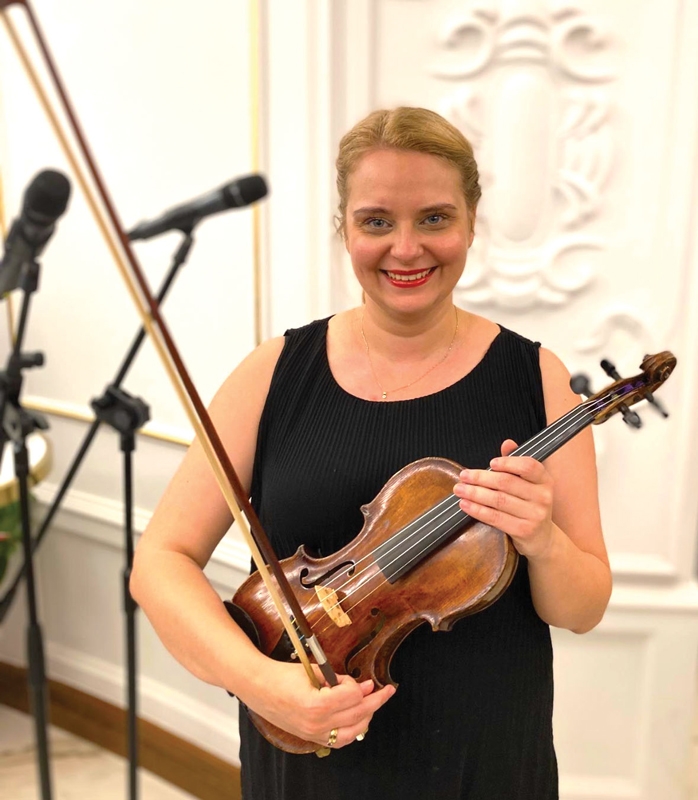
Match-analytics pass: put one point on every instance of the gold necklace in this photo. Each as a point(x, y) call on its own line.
point(384, 392)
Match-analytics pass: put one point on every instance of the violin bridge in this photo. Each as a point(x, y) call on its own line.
point(330, 602)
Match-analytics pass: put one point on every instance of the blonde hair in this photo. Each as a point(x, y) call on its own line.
point(407, 128)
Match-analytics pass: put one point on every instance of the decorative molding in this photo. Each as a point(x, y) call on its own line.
point(100, 520)
point(532, 248)
point(637, 566)
point(615, 318)
point(177, 761)
point(531, 35)
point(679, 598)
point(636, 670)
point(215, 729)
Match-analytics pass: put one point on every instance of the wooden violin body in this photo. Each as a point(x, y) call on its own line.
point(357, 606)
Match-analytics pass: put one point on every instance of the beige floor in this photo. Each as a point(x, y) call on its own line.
point(79, 770)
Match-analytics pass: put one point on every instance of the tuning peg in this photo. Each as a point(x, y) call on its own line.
point(580, 384)
point(629, 416)
point(610, 370)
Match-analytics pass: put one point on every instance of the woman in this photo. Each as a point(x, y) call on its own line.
point(316, 422)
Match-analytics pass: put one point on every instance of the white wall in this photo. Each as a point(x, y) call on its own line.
point(584, 122)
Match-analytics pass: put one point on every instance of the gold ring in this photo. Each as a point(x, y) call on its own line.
point(333, 737)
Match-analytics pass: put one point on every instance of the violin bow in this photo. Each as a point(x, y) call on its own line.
point(293, 618)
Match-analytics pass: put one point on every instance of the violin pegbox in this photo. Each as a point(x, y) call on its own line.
point(628, 391)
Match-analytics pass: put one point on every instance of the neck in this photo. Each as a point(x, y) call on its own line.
point(402, 335)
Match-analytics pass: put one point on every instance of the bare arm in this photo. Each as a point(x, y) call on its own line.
point(551, 511)
point(190, 520)
point(169, 584)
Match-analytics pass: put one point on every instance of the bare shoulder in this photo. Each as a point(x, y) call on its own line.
point(558, 395)
point(253, 375)
point(237, 406)
point(192, 515)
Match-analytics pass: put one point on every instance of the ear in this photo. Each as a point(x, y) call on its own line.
point(472, 215)
point(342, 231)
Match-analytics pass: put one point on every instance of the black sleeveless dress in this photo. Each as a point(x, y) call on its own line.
point(472, 716)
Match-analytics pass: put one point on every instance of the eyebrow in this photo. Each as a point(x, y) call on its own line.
point(425, 210)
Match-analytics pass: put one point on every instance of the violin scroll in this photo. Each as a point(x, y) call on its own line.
point(659, 367)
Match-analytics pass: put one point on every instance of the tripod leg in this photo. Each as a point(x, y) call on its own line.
point(39, 703)
point(35, 649)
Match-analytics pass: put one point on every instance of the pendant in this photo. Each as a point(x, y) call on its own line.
point(385, 396)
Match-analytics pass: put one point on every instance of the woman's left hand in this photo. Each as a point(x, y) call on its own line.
point(515, 495)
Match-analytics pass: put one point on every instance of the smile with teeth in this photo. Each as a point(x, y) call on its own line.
point(411, 277)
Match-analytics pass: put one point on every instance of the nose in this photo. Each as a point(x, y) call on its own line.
point(406, 246)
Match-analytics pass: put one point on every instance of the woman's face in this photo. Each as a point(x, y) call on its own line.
point(407, 229)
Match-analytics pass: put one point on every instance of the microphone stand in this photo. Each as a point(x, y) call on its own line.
point(17, 424)
point(178, 260)
point(126, 414)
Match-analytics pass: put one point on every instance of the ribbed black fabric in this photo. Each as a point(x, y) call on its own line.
point(472, 717)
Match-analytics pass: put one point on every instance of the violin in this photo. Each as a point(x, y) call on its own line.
point(417, 559)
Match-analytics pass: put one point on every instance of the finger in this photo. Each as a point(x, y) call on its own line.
point(345, 694)
point(348, 735)
point(505, 482)
point(508, 447)
point(354, 723)
point(506, 502)
point(367, 687)
point(524, 466)
point(494, 517)
point(361, 713)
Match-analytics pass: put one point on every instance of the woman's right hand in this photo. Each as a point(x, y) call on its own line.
point(286, 699)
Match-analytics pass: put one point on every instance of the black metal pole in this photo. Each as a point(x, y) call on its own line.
point(126, 414)
point(15, 425)
point(38, 695)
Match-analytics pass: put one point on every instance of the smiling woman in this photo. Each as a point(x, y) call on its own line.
point(325, 416)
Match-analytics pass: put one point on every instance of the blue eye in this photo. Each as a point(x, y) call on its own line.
point(435, 219)
point(377, 223)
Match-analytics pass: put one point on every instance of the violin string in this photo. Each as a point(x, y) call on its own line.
point(536, 446)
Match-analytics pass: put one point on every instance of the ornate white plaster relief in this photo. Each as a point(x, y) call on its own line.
point(532, 104)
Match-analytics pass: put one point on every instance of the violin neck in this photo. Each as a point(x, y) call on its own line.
point(415, 541)
point(546, 442)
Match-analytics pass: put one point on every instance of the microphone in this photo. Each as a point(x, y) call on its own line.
point(45, 199)
point(236, 194)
